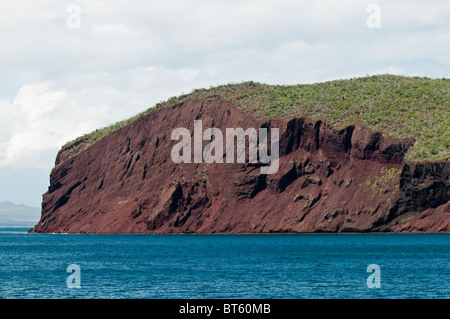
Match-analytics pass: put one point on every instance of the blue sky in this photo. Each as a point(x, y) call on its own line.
point(59, 81)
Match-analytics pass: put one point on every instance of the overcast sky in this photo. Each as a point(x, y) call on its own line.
point(69, 67)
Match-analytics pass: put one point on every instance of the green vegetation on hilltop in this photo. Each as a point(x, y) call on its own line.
point(401, 107)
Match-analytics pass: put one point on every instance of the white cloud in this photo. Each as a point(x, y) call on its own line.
point(40, 120)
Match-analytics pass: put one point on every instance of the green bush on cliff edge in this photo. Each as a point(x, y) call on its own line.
point(402, 107)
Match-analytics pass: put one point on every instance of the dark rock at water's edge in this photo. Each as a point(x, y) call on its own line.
point(329, 180)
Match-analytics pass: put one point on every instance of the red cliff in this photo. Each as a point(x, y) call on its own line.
point(329, 180)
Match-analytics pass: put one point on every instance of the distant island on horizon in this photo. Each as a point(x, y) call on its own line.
point(18, 214)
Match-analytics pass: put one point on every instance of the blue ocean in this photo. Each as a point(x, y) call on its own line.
point(313, 266)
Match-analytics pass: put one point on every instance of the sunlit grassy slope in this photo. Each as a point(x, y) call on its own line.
point(400, 106)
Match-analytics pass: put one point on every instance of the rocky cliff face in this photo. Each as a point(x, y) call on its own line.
point(348, 180)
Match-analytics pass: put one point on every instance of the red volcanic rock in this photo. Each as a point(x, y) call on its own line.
point(348, 180)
